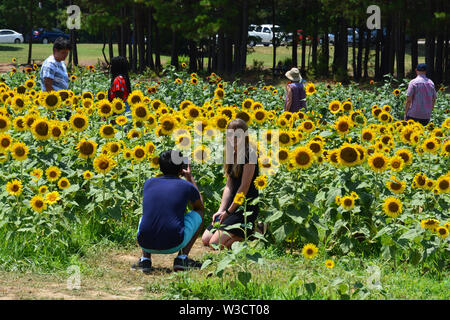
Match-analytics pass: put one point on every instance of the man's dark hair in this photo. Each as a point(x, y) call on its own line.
point(119, 67)
point(170, 162)
point(62, 44)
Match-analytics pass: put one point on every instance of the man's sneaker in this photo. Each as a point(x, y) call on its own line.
point(144, 266)
point(180, 264)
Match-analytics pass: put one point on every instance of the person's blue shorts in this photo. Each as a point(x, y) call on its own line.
point(192, 221)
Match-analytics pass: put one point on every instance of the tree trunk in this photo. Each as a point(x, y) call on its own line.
point(366, 54)
point(439, 67)
point(135, 39)
point(303, 66)
point(174, 51)
point(158, 66)
point(447, 59)
point(140, 36)
point(378, 73)
point(354, 67)
point(110, 45)
point(123, 38)
point(274, 40)
point(192, 56)
point(414, 52)
point(221, 53)
point(244, 37)
point(104, 47)
point(314, 46)
point(294, 48)
point(149, 53)
point(30, 42)
point(360, 52)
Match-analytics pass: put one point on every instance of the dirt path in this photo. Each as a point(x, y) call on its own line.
point(108, 277)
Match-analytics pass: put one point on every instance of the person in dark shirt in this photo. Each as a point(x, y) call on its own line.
point(165, 227)
point(241, 170)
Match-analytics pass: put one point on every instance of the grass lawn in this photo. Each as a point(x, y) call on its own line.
point(90, 53)
point(105, 274)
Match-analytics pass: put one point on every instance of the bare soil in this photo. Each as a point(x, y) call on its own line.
point(108, 276)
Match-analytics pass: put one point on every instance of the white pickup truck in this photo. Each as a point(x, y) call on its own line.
point(263, 34)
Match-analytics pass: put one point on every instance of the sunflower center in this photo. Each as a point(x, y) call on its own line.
point(348, 202)
point(141, 112)
point(103, 165)
point(396, 186)
point(5, 142)
point(349, 154)
point(19, 151)
point(343, 126)
point(139, 153)
point(379, 162)
point(108, 130)
point(302, 158)
point(51, 100)
point(393, 207)
point(87, 148)
point(283, 155)
point(3, 123)
point(79, 122)
point(443, 185)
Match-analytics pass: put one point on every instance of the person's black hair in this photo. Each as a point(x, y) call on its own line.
point(168, 162)
point(62, 44)
point(119, 67)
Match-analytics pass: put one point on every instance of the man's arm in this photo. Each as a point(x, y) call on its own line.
point(408, 106)
point(48, 83)
point(288, 104)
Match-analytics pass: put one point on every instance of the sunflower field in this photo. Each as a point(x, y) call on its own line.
point(347, 175)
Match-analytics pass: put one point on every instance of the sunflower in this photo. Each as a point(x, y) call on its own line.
point(396, 163)
point(14, 187)
point(139, 153)
point(19, 151)
point(260, 182)
point(43, 189)
point(239, 198)
point(284, 138)
point(168, 124)
point(329, 264)
point(307, 126)
point(220, 93)
point(107, 131)
point(114, 148)
point(334, 106)
point(395, 185)
point(392, 207)
point(378, 162)
point(247, 103)
point(5, 142)
point(51, 100)
point(87, 103)
point(87, 148)
point(5, 123)
point(406, 155)
point(310, 89)
point(419, 181)
point(140, 112)
point(316, 147)
point(63, 183)
point(87, 175)
point(347, 202)
point(431, 145)
point(260, 116)
point(104, 108)
point(396, 92)
point(343, 125)
point(302, 158)
point(36, 173)
point(134, 133)
point(79, 122)
point(178, 81)
point(201, 154)
point(53, 173)
point(348, 155)
point(283, 155)
point(19, 124)
point(347, 106)
point(103, 164)
point(443, 184)
point(136, 96)
point(38, 204)
point(442, 232)
point(73, 78)
point(19, 102)
point(56, 130)
point(244, 115)
point(309, 251)
point(52, 197)
point(41, 129)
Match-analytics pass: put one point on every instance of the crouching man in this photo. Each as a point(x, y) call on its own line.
point(165, 227)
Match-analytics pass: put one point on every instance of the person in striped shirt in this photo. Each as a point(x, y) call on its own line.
point(53, 71)
point(420, 97)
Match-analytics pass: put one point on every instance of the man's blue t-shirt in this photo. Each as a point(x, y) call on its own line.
point(164, 206)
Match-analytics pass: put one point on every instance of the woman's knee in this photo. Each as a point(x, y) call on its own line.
point(206, 237)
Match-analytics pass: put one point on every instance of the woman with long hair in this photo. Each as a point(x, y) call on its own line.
point(241, 170)
point(120, 81)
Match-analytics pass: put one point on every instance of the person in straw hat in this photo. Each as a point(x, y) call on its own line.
point(295, 92)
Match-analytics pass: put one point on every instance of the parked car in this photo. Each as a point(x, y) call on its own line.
point(45, 36)
point(10, 36)
point(264, 34)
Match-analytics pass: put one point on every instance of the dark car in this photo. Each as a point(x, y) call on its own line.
point(45, 36)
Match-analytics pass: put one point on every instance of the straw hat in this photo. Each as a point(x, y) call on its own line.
point(293, 75)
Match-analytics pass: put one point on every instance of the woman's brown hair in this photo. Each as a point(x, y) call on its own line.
point(235, 168)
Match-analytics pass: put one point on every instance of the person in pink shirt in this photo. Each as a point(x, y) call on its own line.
point(295, 92)
point(420, 97)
